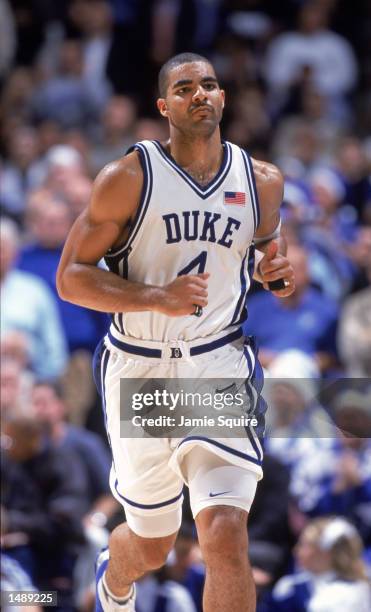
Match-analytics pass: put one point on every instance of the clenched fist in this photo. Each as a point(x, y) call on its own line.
point(180, 297)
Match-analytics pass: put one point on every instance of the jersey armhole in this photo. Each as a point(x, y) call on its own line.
point(250, 176)
point(145, 196)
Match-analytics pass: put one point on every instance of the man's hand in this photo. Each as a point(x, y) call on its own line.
point(275, 266)
point(180, 297)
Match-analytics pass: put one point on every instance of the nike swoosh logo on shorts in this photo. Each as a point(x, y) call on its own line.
point(221, 493)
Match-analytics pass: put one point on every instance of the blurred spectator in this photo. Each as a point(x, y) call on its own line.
point(49, 223)
point(150, 129)
point(77, 194)
point(296, 147)
point(305, 321)
point(312, 53)
point(354, 337)
point(21, 171)
point(157, 592)
point(64, 98)
point(16, 94)
point(184, 564)
point(14, 347)
point(333, 576)
point(50, 410)
point(337, 479)
point(332, 234)
point(15, 387)
point(115, 135)
point(199, 23)
point(268, 529)
point(355, 171)
point(35, 314)
point(63, 164)
point(14, 578)
point(53, 532)
point(93, 18)
point(251, 122)
point(296, 423)
point(7, 37)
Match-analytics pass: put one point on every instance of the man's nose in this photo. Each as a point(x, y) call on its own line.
point(200, 94)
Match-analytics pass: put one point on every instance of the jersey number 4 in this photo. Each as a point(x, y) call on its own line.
point(198, 264)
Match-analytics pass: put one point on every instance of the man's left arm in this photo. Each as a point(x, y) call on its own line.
point(271, 261)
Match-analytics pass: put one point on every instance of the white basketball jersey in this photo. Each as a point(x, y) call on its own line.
point(182, 227)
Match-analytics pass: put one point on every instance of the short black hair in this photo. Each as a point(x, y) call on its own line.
point(177, 60)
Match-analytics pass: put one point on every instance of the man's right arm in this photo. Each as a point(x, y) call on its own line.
point(114, 202)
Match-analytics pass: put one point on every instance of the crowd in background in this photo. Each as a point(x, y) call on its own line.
point(78, 82)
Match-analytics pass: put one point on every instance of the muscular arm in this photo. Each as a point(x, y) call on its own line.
point(269, 185)
point(272, 262)
point(100, 227)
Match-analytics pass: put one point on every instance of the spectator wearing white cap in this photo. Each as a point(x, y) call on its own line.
point(297, 424)
point(332, 575)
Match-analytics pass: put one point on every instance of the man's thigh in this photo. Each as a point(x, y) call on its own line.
point(213, 481)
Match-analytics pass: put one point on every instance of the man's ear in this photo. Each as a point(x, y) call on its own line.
point(223, 97)
point(162, 107)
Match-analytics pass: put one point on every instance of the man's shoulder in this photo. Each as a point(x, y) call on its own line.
point(269, 182)
point(126, 168)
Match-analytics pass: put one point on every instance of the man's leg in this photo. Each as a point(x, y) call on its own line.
point(221, 495)
point(222, 534)
point(131, 556)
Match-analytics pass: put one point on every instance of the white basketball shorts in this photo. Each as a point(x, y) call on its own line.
point(148, 474)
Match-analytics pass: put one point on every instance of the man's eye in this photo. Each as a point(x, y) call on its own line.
point(210, 86)
point(183, 90)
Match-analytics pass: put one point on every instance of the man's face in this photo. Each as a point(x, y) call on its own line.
point(194, 102)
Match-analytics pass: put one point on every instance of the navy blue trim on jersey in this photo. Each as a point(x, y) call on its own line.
point(252, 188)
point(237, 310)
point(134, 350)
point(206, 190)
point(157, 353)
point(211, 346)
point(105, 358)
point(143, 203)
point(100, 364)
point(255, 384)
point(224, 447)
point(240, 313)
point(113, 321)
point(148, 506)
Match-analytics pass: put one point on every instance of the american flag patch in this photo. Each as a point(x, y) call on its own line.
point(235, 197)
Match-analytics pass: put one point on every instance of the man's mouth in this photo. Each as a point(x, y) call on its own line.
point(204, 108)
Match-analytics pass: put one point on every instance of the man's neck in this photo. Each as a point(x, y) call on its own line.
point(200, 157)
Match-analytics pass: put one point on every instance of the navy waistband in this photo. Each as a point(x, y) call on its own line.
point(157, 353)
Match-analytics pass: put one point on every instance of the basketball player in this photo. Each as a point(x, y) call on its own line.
point(177, 223)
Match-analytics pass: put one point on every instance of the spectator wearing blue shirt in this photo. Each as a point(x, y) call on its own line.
point(305, 321)
point(29, 307)
point(50, 221)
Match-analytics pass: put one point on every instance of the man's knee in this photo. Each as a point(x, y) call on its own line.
point(222, 533)
point(153, 552)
